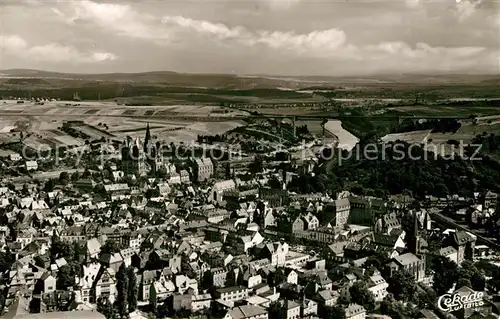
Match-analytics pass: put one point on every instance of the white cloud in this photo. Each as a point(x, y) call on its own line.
point(53, 52)
point(412, 3)
point(121, 19)
point(282, 4)
point(313, 42)
point(218, 30)
point(466, 8)
point(332, 45)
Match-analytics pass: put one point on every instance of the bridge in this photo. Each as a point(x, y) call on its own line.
point(209, 118)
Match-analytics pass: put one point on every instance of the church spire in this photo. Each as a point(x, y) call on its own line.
point(415, 224)
point(147, 139)
point(414, 238)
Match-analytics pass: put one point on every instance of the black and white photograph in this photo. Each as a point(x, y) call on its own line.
point(249, 159)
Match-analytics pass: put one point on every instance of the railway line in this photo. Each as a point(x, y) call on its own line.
point(450, 223)
point(208, 118)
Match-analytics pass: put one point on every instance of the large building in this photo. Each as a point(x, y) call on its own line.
point(133, 159)
point(203, 169)
point(140, 157)
point(365, 210)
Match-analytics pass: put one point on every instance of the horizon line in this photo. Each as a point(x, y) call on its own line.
point(371, 75)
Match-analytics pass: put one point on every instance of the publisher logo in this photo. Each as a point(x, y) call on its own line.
point(457, 301)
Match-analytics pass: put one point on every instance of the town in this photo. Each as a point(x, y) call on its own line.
point(140, 229)
point(249, 159)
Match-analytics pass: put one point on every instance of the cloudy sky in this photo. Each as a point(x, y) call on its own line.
point(287, 37)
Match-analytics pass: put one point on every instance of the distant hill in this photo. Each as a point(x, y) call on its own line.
point(256, 81)
point(159, 77)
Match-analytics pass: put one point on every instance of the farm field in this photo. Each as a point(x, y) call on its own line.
point(445, 110)
point(41, 125)
point(440, 141)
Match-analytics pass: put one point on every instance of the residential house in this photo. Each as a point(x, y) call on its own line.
point(93, 248)
point(105, 284)
point(147, 279)
point(378, 287)
point(354, 311)
point(247, 312)
point(308, 308)
point(233, 294)
point(200, 302)
point(276, 252)
point(46, 283)
point(327, 298)
point(290, 224)
point(291, 310)
point(31, 165)
point(310, 221)
point(292, 276)
point(464, 242)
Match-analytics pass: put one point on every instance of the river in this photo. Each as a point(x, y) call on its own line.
point(346, 140)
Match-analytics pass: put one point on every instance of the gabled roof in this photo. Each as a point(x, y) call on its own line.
point(385, 240)
point(462, 237)
point(407, 259)
point(246, 311)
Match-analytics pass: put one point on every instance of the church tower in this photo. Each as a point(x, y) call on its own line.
point(413, 237)
point(152, 151)
point(147, 141)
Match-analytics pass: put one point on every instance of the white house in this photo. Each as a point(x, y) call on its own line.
point(378, 287)
point(31, 165)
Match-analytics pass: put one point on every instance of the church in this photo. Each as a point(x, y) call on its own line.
point(414, 260)
point(140, 157)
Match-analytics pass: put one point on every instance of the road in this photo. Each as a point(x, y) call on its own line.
point(43, 175)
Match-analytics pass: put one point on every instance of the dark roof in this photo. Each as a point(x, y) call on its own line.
point(384, 240)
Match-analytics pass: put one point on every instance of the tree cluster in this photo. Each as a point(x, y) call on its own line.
point(398, 168)
point(126, 301)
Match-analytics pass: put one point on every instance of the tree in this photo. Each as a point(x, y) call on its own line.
point(78, 250)
point(445, 274)
point(274, 310)
point(60, 249)
point(65, 278)
point(494, 284)
point(154, 306)
point(402, 285)
point(274, 183)
point(394, 309)
point(379, 260)
point(336, 312)
point(362, 296)
point(6, 260)
point(426, 300)
point(132, 289)
point(64, 178)
point(75, 176)
point(122, 291)
point(110, 247)
point(257, 166)
point(49, 185)
point(105, 307)
point(464, 282)
point(469, 275)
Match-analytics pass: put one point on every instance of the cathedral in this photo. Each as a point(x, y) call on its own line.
point(140, 157)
